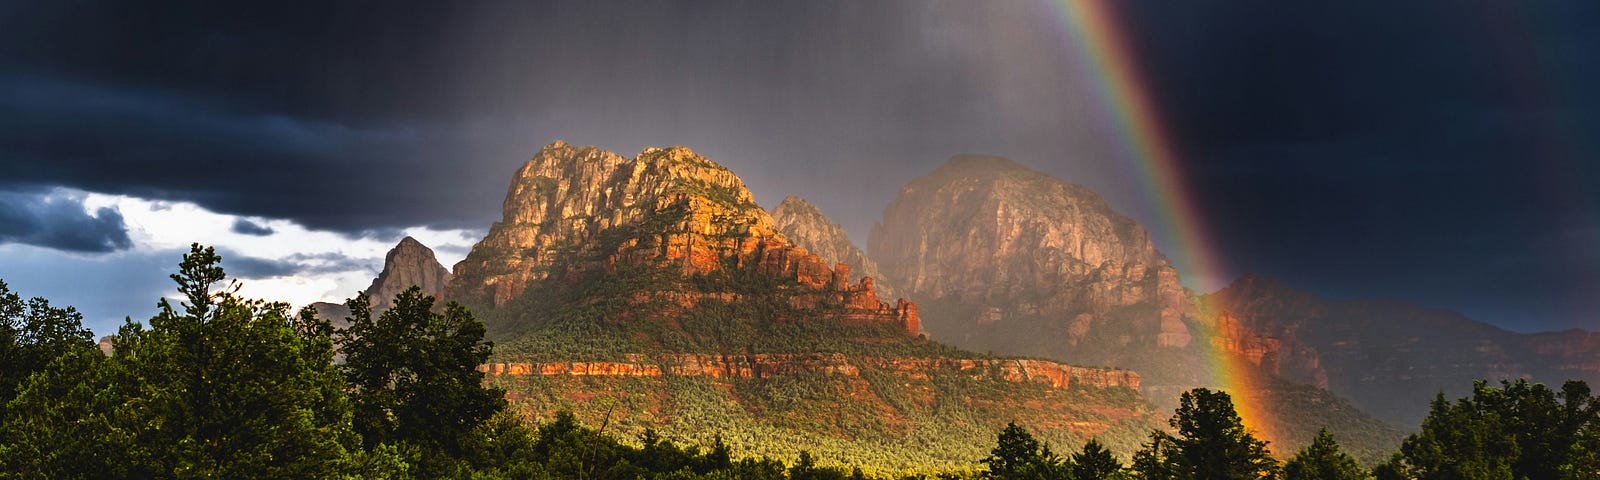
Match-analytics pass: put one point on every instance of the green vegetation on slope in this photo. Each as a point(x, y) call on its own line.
point(879, 419)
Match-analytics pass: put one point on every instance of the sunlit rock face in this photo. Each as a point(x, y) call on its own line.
point(808, 228)
point(1008, 259)
point(574, 211)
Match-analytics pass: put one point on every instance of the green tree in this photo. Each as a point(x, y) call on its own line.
point(1212, 444)
point(1583, 463)
point(1154, 460)
point(1018, 456)
point(415, 377)
point(1094, 462)
point(226, 388)
point(806, 469)
point(68, 426)
point(32, 334)
point(1517, 430)
point(1322, 460)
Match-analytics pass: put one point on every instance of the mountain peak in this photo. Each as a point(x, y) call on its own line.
point(806, 226)
point(409, 263)
point(1028, 264)
point(972, 162)
point(573, 213)
point(796, 204)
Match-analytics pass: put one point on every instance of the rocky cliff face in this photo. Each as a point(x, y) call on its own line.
point(1011, 260)
point(807, 227)
point(408, 264)
point(573, 212)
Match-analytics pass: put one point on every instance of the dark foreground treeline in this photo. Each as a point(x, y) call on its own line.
point(223, 387)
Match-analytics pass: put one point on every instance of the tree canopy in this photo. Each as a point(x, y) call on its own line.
point(1212, 444)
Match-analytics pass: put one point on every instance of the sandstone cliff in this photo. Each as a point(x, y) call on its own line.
point(1014, 261)
point(807, 227)
point(1043, 372)
point(580, 212)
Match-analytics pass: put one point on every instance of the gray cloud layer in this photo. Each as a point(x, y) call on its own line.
point(246, 227)
point(61, 222)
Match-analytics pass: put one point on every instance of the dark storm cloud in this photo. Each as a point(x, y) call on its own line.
point(1431, 151)
point(354, 118)
point(59, 221)
point(246, 227)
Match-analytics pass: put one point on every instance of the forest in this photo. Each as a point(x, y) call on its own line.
point(220, 386)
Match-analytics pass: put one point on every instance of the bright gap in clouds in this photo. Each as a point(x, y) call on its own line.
point(274, 259)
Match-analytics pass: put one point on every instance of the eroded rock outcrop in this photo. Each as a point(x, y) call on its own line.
point(577, 211)
point(806, 226)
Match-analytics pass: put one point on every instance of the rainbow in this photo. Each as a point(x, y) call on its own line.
point(1097, 39)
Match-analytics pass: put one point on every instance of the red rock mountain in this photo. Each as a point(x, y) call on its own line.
point(807, 227)
point(655, 284)
point(1011, 260)
point(577, 211)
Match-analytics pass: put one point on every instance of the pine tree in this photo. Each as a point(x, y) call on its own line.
point(1018, 456)
point(415, 376)
point(1094, 462)
point(1322, 460)
point(32, 334)
point(1155, 460)
point(224, 389)
point(1212, 444)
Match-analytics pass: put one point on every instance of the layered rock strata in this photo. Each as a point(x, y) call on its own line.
point(1054, 374)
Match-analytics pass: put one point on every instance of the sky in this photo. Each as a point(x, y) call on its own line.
point(1441, 152)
